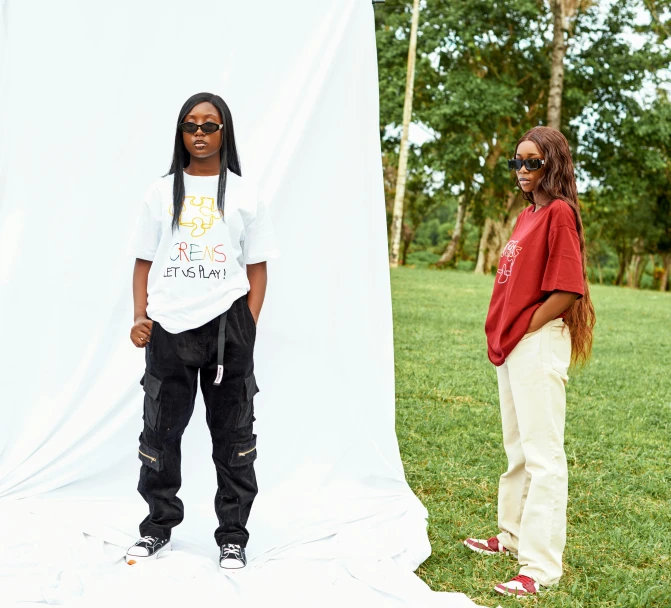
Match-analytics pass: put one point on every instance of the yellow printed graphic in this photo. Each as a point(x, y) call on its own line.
point(199, 216)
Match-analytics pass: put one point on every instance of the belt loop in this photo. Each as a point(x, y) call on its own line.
point(221, 344)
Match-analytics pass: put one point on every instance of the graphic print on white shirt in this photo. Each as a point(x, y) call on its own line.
point(510, 252)
point(200, 215)
point(199, 270)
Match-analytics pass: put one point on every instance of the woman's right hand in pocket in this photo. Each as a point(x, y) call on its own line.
point(141, 331)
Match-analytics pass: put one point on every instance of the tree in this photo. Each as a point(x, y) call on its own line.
point(397, 217)
point(482, 80)
point(450, 253)
point(632, 201)
point(563, 14)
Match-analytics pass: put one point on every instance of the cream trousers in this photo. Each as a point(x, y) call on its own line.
point(533, 492)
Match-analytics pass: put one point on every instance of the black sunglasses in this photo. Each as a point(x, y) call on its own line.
point(208, 127)
point(532, 164)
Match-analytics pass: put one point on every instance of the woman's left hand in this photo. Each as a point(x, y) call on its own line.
point(533, 325)
point(557, 303)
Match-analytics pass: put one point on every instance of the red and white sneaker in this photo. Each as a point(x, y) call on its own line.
point(491, 546)
point(520, 586)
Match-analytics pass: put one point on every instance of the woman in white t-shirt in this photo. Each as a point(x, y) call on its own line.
point(201, 244)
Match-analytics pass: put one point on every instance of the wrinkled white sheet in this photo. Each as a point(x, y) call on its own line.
point(90, 95)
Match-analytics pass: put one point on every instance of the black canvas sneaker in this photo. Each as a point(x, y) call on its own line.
point(232, 557)
point(148, 547)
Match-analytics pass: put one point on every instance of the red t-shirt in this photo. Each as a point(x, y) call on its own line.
point(542, 256)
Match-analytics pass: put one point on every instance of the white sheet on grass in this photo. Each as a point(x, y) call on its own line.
point(90, 95)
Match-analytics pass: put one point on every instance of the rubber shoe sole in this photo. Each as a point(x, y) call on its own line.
point(518, 593)
point(519, 587)
point(486, 551)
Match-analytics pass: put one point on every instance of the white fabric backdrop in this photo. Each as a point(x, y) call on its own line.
point(90, 95)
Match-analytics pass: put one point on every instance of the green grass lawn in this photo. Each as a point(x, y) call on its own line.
point(618, 442)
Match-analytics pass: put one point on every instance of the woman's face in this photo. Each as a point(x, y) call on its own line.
point(199, 144)
point(528, 180)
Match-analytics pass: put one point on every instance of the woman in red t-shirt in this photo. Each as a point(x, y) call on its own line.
point(540, 321)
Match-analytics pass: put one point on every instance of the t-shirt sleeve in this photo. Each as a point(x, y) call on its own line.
point(259, 243)
point(563, 271)
point(147, 233)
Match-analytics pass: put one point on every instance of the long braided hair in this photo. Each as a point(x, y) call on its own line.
point(559, 182)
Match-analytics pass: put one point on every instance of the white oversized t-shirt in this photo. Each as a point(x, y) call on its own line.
point(199, 270)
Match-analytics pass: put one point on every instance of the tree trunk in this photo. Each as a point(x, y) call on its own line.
point(664, 281)
point(633, 270)
point(636, 265)
point(498, 237)
point(557, 68)
point(482, 248)
point(622, 259)
point(496, 233)
point(397, 218)
point(452, 247)
point(408, 237)
point(640, 270)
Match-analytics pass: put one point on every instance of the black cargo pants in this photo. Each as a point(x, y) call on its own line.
point(170, 385)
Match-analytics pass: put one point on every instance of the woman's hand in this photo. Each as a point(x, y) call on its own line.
point(255, 317)
point(534, 324)
point(258, 279)
point(555, 305)
point(140, 332)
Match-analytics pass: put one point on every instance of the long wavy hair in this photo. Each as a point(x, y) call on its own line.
point(558, 182)
point(228, 154)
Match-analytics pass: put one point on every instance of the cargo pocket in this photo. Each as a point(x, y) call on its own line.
point(152, 404)
point(149, 456)
point(246, 413)
point(243, 453)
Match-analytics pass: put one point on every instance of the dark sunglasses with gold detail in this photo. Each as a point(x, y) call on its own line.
point(207, 127)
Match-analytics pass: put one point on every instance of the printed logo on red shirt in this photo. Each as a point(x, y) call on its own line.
point(510, 252)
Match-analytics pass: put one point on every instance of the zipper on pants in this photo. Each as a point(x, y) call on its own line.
point(147, 456)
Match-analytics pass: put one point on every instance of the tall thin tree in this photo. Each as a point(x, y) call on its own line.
point(557, 72)
point(563, 13)
point(397, 217)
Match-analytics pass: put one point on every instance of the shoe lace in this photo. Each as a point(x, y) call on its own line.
point(148, 539)
point(234, 550)
point(493, 543)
